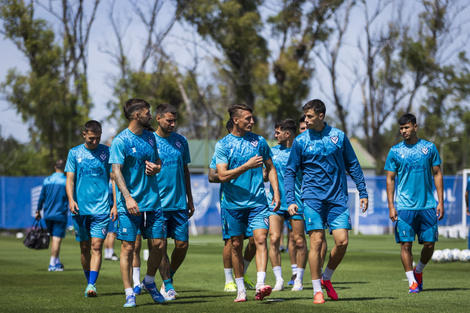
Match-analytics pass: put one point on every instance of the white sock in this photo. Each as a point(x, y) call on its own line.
point(107, 253)
point(136, 275)
point(294, 269)
point(300, 274)
point(327, 273)
point(245, 268)
point(316, 286)
point(129, 292)
point(260, 278)
point(411, 278)
point(228, 275)
point(420, 267)
point(278, 273)
point(149, 279)
point(53, 261)
point(240, 284)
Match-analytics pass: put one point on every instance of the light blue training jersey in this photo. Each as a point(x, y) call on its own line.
point(247, 190)
point(174, 153)
point(413, 166)
point(280, 157)
point(131, 151)
point(92, 172)
point(53, 198)
point(324, 158)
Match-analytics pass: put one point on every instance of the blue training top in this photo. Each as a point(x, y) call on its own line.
point(53, 198)
point(247, 190)
point(280, 157)
point(174, 153)
point(323, 158)
point(131, 151)
point(413, 165)
point(92, 172)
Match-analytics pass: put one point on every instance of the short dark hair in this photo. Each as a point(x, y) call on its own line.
point(133, 105)
point(234, 109)
point(92, 126)
point(407, 118)
point(229, 125)
point(302, 119)
point(166, 108)
point(287, 124)
point(60, 164)
point(317, 105)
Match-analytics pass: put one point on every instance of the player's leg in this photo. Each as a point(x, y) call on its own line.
point(405, 232)
point(292, 254)
point(109, 242)
point(248, 256)
point(227, 255)
point(324, 251)
point(298, 233)
point(136, 262)
point(276, 224)
point(181, 236)
point(57, 231)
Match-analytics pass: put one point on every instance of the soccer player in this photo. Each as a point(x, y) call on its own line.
point(112, 229)
point(175, 193)
point(240, 156)
point(135, 162)
point(285, 133)
point(88, 174)
point(415, 162)
point(53, 199)
point(324, 154)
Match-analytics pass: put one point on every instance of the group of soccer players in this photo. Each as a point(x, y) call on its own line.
point(308, 187)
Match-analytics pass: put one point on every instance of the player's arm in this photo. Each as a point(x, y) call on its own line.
point(131, 204)
point(153, 168)
point(113, 215)
point(69, 189)
point(213, 176)
point(226, 175)
point(189, 194)
point(466, 201)
point(439, 182)
point(42, 197)
point(390, 193)
point(353, 167)
point(290, 173)
point(272, 176)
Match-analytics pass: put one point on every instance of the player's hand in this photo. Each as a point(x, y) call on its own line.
point(364, 204)
point(132, 206)
point(392, 212)
point(38, 216)
point(292, 209)
point(73, 207)
point(191, 209)
point(276, 202)
point(152, 168)
point(254, 162)
point(113, 215)
point(440, 211)
point(468, 211)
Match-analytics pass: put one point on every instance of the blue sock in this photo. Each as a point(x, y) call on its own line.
point(93, 277)
point(172, 274)
point(168, 284)
point(87, 275)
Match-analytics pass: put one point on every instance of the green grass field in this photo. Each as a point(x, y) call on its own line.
point(370, 279)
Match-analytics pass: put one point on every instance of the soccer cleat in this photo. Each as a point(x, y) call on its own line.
point(55, 269)
point(170, 295)
point(414, 288)
point(152, 289)
point(130, 302)
point(60, 266)
point(241, 297)
point(330, 291)
point(138, 289)
point(419, 279)
point(318, 298)
point(292, 280)
point(248, 284)
point(263, 291)
point(279, 286)
point(114, 257)
point(297, 286)
point(230, 287)
point(90, 291)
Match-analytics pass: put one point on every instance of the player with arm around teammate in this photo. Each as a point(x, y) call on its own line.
point(415, 163)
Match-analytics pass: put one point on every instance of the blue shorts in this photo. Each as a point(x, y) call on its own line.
point(150, 223)
point(90, 226)
point(176, 224)
point(225, 234)
point(113, 226)
point(241, 221)
point(323, 215)
point(56, 228)
point(416, 222)
point(287, 216)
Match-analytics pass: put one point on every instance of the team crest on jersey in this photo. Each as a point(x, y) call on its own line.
point(178, 144)
point(254, 143)
point(425, 150)
point(334, 139)
point(79, 160)
point(134, 150)
point(151, 142)
point(103, 156)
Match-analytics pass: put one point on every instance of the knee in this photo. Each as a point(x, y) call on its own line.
point(342, 244)
point(299, 242)
point(274, 240)
point(182, 245)
point(428, 245)
point(237, 245)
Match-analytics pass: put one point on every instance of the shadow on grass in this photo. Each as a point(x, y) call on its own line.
point(444, 289)
point(365, 299)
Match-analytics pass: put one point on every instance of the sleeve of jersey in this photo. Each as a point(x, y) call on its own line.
point(187, 155)
point(220, 154)
point(354, 168)
point(116, 153)
point(436, 160)
point(70, 164)
point(41, 198)
point(390, 163)
point(293, 164)
point(213, 163)
point(265, 150)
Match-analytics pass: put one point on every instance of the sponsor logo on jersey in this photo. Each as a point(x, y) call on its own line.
point(134, 150)
point(334, 139)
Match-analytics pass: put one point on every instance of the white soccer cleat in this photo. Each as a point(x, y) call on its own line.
point(279, 286)
point(297, 285)
point(241, 297)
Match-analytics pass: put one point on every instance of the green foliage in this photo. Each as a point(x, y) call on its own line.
point(17, 159)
